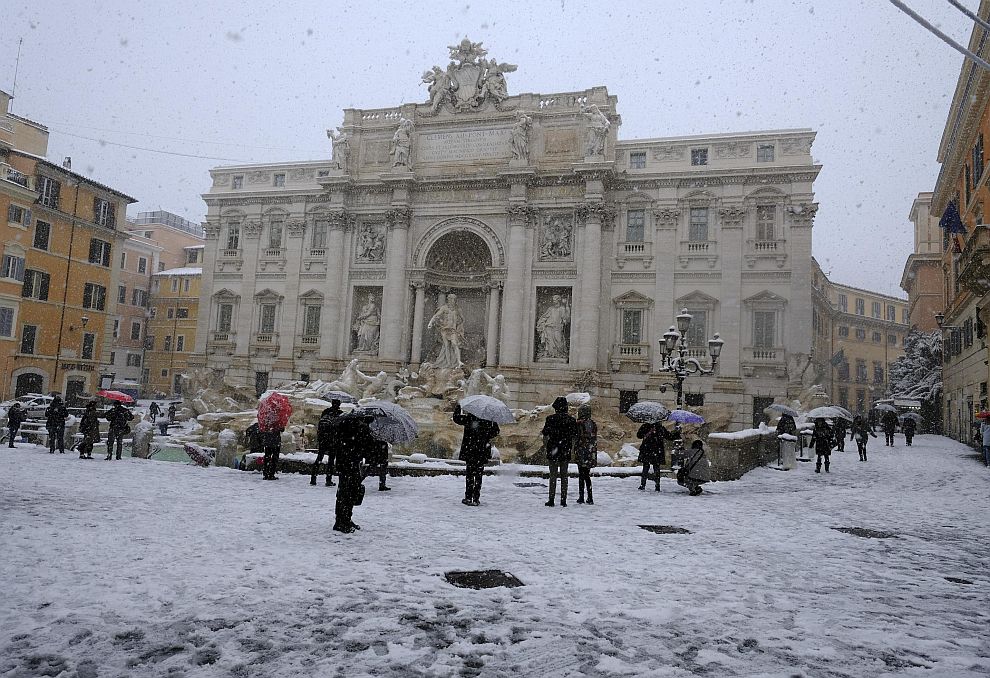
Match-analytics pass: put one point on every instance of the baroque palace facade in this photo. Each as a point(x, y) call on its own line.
point(569, 251)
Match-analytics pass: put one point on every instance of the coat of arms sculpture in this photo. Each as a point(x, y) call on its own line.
point(469, 81)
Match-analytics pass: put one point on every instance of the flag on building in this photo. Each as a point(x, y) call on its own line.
point(954, 226)
point(838, 358)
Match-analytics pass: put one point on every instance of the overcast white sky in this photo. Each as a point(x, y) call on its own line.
point(260, 81)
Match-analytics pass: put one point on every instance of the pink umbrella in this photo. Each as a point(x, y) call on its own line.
point(115, 395)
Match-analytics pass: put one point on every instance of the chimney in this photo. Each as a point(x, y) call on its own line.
point(67, 163)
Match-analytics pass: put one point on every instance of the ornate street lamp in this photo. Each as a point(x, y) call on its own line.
point(673, 348)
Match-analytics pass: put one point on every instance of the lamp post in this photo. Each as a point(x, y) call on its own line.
point(673, 347)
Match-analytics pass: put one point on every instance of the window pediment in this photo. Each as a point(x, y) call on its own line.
point(765, 299)
point(696, 299)
point(267, 295)
point(632, 299)
point(312, 296)
point(226, 295)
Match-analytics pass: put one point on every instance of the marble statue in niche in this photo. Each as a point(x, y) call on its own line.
point(401, 143)
point(520, 138)
point(341, 147)
point(557, 237)
point(553, 324)
point(598, 126)
point(450, 323)
point(367, 324)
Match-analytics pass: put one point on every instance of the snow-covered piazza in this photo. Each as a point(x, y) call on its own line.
point(150, 568)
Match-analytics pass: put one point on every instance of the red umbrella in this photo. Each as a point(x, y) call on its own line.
point(273, 413)
point(115, 395)
point(982, 415)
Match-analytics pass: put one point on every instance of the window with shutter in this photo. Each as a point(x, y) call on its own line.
point(88, 345)
point(42, 235)
point(6, 321)
point(28, 335)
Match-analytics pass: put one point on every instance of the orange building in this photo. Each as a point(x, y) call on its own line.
point(922, 277)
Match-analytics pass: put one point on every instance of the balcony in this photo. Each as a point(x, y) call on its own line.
point(698, 250)
point(222, 337)
point(764, 360)
point(636, 356)
point(273, 253)
point(773, 250)
point(230, 254)
point(634, 251)
point(310, 340)
point(318, 252)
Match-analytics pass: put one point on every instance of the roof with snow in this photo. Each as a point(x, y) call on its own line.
point(187, 270)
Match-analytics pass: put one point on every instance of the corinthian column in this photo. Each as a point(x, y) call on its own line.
point(596, 216)
point(491, 339)
point(394, 299)
point(520, 215)
point(331, 322)
point(417, 328)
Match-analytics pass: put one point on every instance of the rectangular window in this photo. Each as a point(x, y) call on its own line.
point(766, 219)
point(699, 156)
point(694, 399)
point(275, 230)
point(635, 225)
point(977, 161)
point(6, 322)
point(279, 181)
point(892, 339)
point(697, 333)
point(28, 334)
point(175, 284)
point(311, 320)
point(843, 303)
point(113, 357)
point(763, 329)
point(860, 370)
point(860, 334)
point(18, 215)
point(698, 226)
point(167, 344)
point(764, 153)
point(237, 182)
point(320, 229)
point(877, 338)
point(225, 314)
point(844, 397)
point(135, 331)
point(860, 307)
point(234, 235)
point(99, 252)
point(632, 325)
point(843, 331)
point(180, 343)
point(891, 313)
point(134, 360)
point(637, 160)
point(88, 344)
point(94, 296)
point(165, 372)
point(42, 234)
point(192, 256)
point(142, 265)
point(123, 260)
point(185, 284)
point(905, 318)
point(877, 372)
point(12, 267)
point(860, 400)
point(122, 294)
point(36, 285)
point(267, 316)
point(104, 213)
point(182, 313)
point(49, 190)
point(844, 371)
point(170, 313)
point(875, 308)
point(116, 328)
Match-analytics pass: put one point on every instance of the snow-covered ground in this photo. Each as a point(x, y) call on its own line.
point(144, 568)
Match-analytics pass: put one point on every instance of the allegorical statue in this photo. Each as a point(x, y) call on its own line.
point(341, 147)
point(493, 82)
point(520, 138)
point(441, 87)
point(450, 323)
point(598, 126)
point(368, 326)
point(371, 243)
point(401, 142)
point(550, 326)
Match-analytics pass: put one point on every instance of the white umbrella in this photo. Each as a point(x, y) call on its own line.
point(885, 407)
point(846, 413)
point(392, 423)
point(828, 412)
point(648, 412)
point(783, 409)
point(487, 408)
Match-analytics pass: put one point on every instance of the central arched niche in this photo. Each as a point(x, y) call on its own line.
point(459, 262)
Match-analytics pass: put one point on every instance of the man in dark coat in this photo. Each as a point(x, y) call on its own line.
point(839, 428)
point(861, 432)
point(558, 436)
point(822, 439)
point(324, 438)
point(15, 417)
point(651, 451)
point(55, 416)
point(118, 416)
point(475, 451)
point(908, 427)
point(171, 413)
point(888, 422)
point(353, 441)
point(155, 411)
point(89, 427)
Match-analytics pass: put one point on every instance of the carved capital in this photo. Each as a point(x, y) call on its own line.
point(600, 210)
point(211, 231)
point(495, 286)
point(398, 217)
point(252, 228)
point(339, 219)
point(732, 217)
point(296, 229)
point(520, 214)
point(802, 214)
point(666, 217)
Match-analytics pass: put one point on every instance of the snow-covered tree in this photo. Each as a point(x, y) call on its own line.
point(917, 374)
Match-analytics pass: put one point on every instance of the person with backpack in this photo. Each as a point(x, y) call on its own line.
point(476, 445)
point(585, 451)
point(651, 450)
point(89, 427)
point(861, 432)
point(55, 415)
point(558, 436)
point(154, 411)
point(822, 439)
point(325, 444)
point(118, 416)
point(16, 416)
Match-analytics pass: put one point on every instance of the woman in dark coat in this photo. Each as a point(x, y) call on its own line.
point(888, 422)
point(839, 428)
point(15, 417)
point(89, 427)
point(118, 416)
point(861, 432)
point(908, 427)
point(696, 470)
point(55, 416)
point(475, 451)
point(325, 441)
point(786, 425)
point(585, 451)
point(822, 440)
point(651, 452)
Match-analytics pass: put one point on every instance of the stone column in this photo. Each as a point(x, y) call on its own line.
point(491, 340)
point(416, 355)
point(204, 320)
point(330, 320)
point(288, 333)
point(394, 297)
point(731, 310)
point(247, 321)
point(595, 216)
point(665, 250)
point(520, 216)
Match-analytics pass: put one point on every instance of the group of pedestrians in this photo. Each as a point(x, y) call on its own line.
point(56, 417)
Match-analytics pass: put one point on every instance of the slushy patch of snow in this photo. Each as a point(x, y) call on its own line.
point(214, 572)
point(604, 460)
point(418, 458)
point(578, 398)
point(628, 451)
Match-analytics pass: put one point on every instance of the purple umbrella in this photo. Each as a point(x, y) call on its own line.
point(685, 417)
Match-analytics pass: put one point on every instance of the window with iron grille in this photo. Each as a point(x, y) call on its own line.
point(88, 345)
point(637, 160)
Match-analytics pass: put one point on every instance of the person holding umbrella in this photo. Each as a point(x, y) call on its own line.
point(475, 451)
point(558, 435)
point(908, 427)
point(55, 416)
point(861, 432)
point(822, 440)
point(651, 450)
point(118, 416)
point(888, 422)
point(353, 441)
point(273, 416)
point(325, 442)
